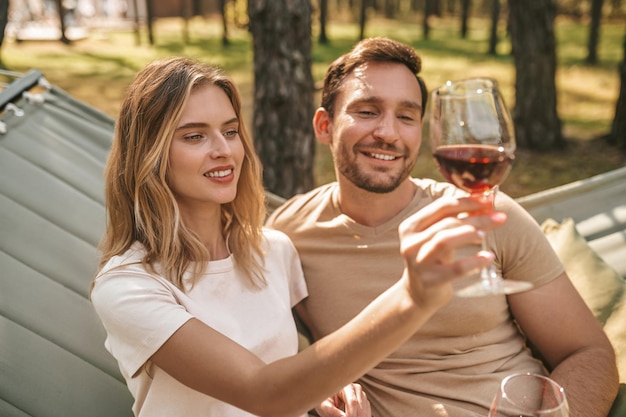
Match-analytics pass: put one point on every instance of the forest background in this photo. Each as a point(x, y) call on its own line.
point(97, 67)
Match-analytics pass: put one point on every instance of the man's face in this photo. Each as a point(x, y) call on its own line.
point(376, 130)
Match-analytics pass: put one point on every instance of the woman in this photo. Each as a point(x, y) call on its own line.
point(196, 296)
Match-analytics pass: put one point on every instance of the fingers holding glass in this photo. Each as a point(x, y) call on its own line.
point(473, 141)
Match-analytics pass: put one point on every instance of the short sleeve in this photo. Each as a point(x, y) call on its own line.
point(283, 248)
point(139, 312)
point(525, 253)
point(297, 284)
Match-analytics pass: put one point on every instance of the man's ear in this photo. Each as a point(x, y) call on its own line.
point(321, 125)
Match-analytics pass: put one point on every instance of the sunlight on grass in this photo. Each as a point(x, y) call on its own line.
point(98, 70)
point(586, 108)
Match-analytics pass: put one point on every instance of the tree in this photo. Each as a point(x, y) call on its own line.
point(363, 18)
point(61, 12)
point(429, 9)
point(594, 31)
point(493, 36)
point(537, 125)
point(323, 39)
point(465, 12)
point(225, 40)
point(618, 128)
point(283, 93)
point(390, 8)
point(150, 21)
point(4, 20)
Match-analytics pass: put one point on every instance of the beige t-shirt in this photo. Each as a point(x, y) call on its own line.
point(140, 311)
point(453, 365)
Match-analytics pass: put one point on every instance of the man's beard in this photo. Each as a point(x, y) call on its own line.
point(346, 165)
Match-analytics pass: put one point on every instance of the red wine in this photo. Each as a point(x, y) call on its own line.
point(473, 168)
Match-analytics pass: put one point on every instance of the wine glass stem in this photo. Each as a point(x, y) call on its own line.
point(488, 274)
point(490, 278)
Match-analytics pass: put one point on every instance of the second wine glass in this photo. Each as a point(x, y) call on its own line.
point(529, 395)
point(473, 141)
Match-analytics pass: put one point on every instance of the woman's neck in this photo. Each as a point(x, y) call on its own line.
point(207, 226)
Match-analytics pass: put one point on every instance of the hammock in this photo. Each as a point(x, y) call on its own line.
point(52, 356)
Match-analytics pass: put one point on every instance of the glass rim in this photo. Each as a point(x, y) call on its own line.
point(447, 89)
point(550, 381)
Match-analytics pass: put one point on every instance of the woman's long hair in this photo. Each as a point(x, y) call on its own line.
point(140, 204)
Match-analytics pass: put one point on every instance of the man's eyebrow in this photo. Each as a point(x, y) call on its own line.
point(410, 104)
point(194, 125)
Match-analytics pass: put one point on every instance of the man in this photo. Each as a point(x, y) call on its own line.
point(371, 117)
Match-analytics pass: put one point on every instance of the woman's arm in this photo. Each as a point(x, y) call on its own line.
point(205, 360)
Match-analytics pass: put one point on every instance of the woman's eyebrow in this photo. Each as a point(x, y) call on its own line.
point(193, 125)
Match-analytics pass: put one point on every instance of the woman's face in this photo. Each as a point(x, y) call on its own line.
point(206, 153)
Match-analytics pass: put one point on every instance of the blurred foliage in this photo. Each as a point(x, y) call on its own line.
point(98, 69)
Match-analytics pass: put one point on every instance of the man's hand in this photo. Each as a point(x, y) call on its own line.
point(351, 401)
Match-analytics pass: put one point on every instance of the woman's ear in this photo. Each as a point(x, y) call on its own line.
point(321, 125)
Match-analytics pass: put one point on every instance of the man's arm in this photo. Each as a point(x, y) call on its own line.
point(572, 343)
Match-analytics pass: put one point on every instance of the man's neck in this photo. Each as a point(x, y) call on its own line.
point(374, 209)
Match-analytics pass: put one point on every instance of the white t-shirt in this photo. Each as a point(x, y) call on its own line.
point(140, 311)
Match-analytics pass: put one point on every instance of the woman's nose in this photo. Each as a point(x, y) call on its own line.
point(219, 146)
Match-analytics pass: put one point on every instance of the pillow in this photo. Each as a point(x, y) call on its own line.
point(602, 288)
point(600, 285)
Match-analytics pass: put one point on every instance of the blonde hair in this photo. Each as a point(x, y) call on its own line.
point(140, 204)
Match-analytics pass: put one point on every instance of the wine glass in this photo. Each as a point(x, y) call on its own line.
point(473, 140)
point(529, 395)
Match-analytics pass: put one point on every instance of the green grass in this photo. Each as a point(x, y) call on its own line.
point(98, 69)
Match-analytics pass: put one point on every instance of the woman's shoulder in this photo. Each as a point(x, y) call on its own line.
point(130, 260)
point(276, 238)
point(277, 244)
point(125, 274)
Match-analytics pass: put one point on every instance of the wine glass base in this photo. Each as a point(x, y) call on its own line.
point(484, 288)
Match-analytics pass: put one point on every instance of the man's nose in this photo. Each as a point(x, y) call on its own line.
point(387, 129)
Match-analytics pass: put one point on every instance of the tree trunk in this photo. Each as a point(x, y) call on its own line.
point(390, 8)
point(465, 10)
point(594, 31)
point(4, 20)
point(618, 129)
point(225, 38)
point(429, 8)
point(363, 18)
point(150, 21)
point(537, 125)
point(61, 11)
point(495, 17)
point(323, 39)
point(616, 8)
point(186, 13)
point(283, 93)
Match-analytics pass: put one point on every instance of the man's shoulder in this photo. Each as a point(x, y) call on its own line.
point(301, 205)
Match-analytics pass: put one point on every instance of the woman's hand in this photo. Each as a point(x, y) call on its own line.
point(429, 240)
point(351, 401)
